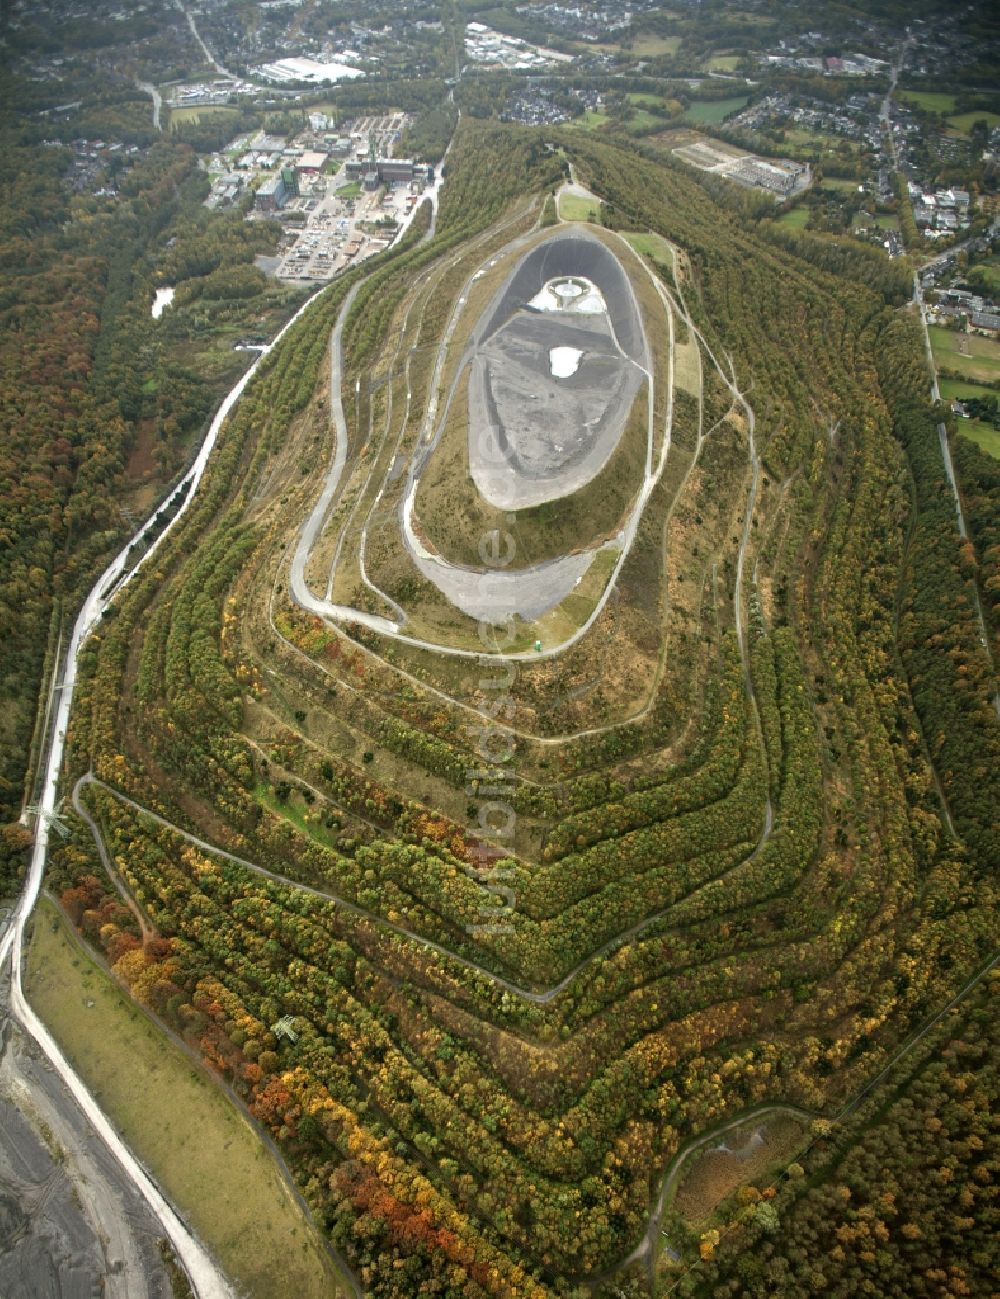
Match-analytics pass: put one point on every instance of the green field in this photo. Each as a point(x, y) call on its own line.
point(840, 183)
point(591, 119)
point(723, 63)
point(204, 1153)
point(645, 100)
point(330, 110)
point(932, 101)
point(713, 111)
point(573, 207)
point(976, 429)
point(652, 47)
point(984, 435)
point(865, 221)
point(200, 112)
point(959, 388)
point(351, 190)
point(812, 143)
point(970, 355)
point(989, 272)
point(295, 809)
point(797, 218)
point(643, 120)
point(655, 246)
point(964, 122)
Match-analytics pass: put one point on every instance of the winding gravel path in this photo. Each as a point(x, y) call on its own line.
point(539, 997)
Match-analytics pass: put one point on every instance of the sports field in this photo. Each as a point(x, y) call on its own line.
point(973, 356)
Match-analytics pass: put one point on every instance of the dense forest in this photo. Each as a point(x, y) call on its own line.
point(754, 891)
point(100, 409)
point(896, 1199)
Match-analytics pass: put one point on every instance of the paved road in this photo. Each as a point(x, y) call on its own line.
point(949, 468)
point(885, 111)
point(148, 88)
point(209, 56)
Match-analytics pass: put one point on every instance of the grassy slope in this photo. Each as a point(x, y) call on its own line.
point(204, 1153)
point(990, 268)
point(573, 207)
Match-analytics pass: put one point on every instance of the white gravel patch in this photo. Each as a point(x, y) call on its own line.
point(564, 361)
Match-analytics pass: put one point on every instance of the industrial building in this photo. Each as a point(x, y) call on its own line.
point(275, 192)
point(311, 163)
point(387, 171)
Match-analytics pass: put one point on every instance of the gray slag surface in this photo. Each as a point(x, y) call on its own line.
point(534, 437)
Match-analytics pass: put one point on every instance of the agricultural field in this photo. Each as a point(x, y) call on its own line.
point(556, 736)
